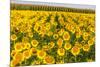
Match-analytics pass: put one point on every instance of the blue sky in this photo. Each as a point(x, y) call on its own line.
point(55, 4)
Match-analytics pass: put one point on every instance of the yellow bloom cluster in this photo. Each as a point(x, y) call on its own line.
point(50, 37)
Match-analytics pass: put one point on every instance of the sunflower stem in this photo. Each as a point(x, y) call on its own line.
point(75, 58)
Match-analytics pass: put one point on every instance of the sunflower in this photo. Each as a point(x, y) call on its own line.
point(67, 46)
point(13, 37)
point(61, 52)
point(78, 45)
point(27, 45)
point(30, 34)
point(90, 42)
point(55, 36)
point(49, 60)
point(26, 54)
point(60, 42)
point(23, 45)
point(33, 51)
point(18, 46)
point(45, 47)
point(75, 50)
point(13, 52)
point(48, 26)
point(61, 32)
point(51, 44)
point(92, 29)
point(50, 33)
point(86, 48)
point(14, 62)
point(85, 35)
point(41, 54)
point(34, 43)
point(36, 27)
point(18, 56)
point(66, 36)
point(78, 34)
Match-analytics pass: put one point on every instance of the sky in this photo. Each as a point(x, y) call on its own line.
point(52, 3)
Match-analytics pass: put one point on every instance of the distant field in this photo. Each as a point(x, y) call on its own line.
point(49, 8)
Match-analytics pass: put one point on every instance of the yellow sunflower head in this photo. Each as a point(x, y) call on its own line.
point(78, 34)
point(55, 36)
point(26, 54)
point(23, 45)
point(60, 42)
point(86, 48)
point(92, 29)
point(50, 33)
point(13, 37)
point(75, 50)
point(67, 46)
point(90, 42)
point(27, 45)
point(41, 54)
point(49, 60)
point(18, 56)
point(51, 44)
point(14, 62)
point(85, 35)
point(61, 32)
point(18, 46)
point(33, 51)
point(34, 43)
point(30, 34)
point(61, 52)
point(36, 27)
point(13, 52)
point(45, 48)
point(66, 36)
point(78, 45)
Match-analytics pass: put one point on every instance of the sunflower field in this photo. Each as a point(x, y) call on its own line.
point(51, 37)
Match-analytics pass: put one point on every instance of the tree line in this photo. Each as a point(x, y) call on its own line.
point(48, 8)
